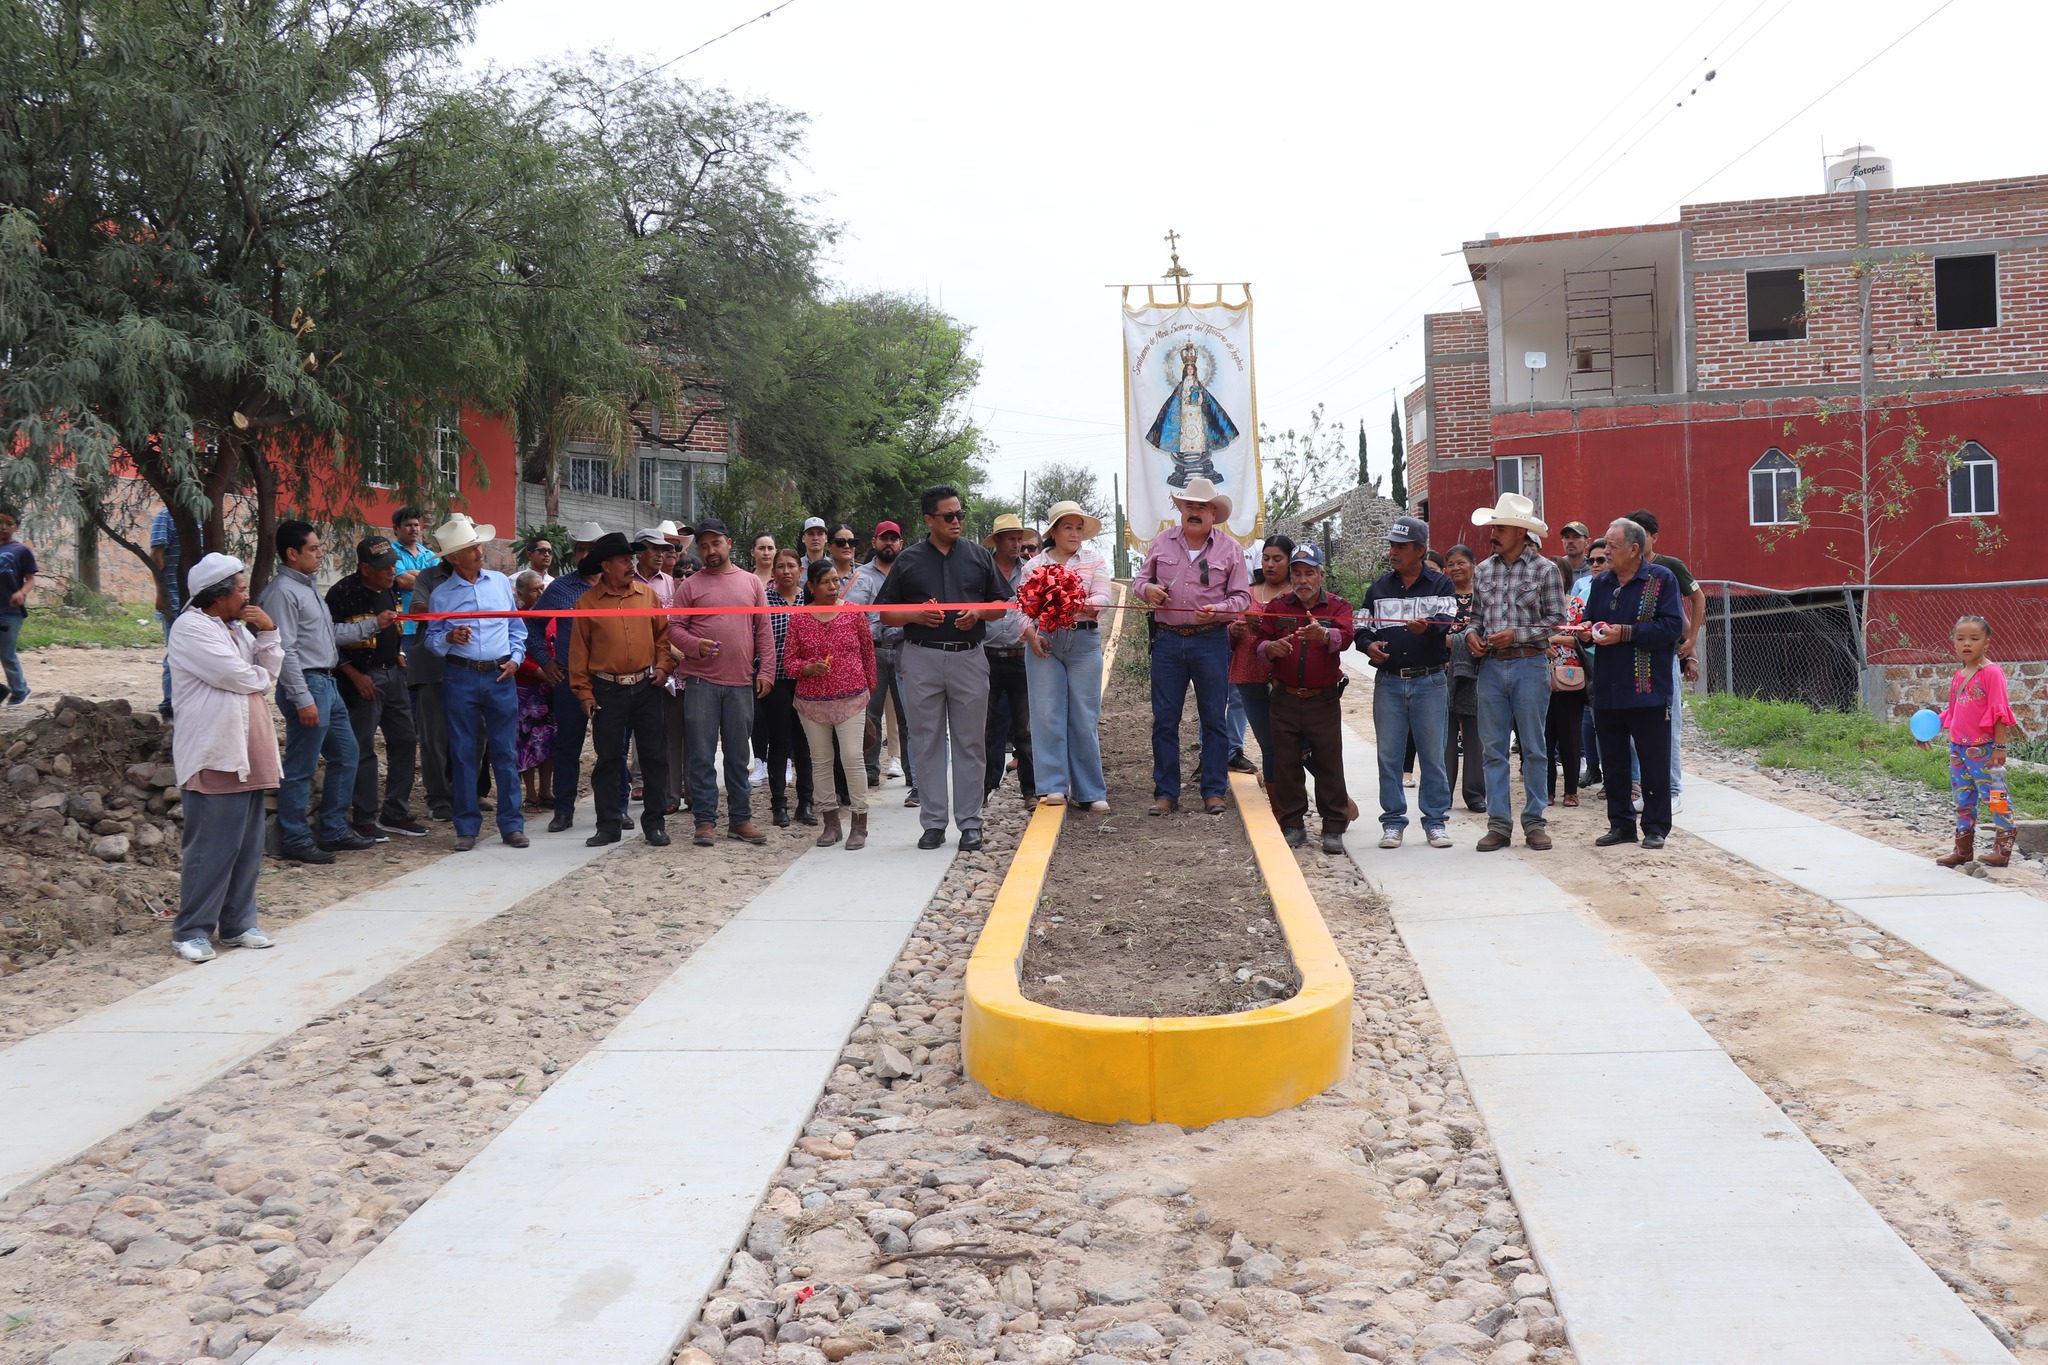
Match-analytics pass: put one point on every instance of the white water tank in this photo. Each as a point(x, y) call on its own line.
point(1859, 168)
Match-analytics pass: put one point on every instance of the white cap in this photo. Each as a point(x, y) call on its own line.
point(650, 535)
point(214, 568)
point(589, 533)
point(815, 524)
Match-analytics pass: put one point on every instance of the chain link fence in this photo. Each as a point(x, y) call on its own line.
point(1884, 648)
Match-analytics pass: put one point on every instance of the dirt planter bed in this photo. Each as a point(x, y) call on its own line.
point(1190, 1069)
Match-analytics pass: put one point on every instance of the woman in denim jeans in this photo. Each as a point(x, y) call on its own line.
point(1064, 670)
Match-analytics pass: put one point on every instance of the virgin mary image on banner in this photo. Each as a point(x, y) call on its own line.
point(1192, 425)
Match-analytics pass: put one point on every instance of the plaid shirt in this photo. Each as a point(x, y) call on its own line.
point(1526, 597)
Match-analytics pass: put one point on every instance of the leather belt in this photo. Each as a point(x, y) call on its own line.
point(1086, 625)
point(481, 665)
point(323, 672)
point(1191, 630)
point(945, 646)
point(623, 679)
point(1518, 652)
point(1303, 691)
point(1416, 672)
point(1004, 651)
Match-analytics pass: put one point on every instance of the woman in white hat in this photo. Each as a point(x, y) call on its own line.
point(1065, 668)
point(225, 751)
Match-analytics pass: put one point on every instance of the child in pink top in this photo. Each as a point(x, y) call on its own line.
point(1979, 720)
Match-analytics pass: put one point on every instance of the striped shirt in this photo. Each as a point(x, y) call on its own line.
point(1526, 597)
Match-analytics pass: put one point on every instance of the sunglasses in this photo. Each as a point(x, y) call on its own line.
point(1027, 549)
point(844, 544)
point(949, 516)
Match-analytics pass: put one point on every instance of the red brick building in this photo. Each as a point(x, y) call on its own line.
point(1683, 362)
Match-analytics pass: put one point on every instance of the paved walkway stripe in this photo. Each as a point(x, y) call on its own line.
point(92, 1077)
point(595, 1224)
point(1996, 936)
point(1679, 1215)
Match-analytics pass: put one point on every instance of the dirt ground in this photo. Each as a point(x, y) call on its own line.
point(95, 674)
point(1145, 915)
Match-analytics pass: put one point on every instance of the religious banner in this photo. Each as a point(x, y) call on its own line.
point(1190, 407)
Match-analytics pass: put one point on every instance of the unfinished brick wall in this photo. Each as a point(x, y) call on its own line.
point(1901, 224)
point(1454, 349)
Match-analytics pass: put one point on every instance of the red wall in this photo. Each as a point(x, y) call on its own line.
point(492, 456)
point(1602, 463)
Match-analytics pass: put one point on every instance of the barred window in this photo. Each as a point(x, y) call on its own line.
point(594, 474)
point(1773, 490)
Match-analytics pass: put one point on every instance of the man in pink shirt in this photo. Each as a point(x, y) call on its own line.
point(728, 659)
point(1195, 581)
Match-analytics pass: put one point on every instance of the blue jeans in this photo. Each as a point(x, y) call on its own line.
point(1254, 701)
point(1234, 718)
point(304, 746)
point(1514, 695)
point(1417, 709)
point(716, 714)
point(1177, 661)
point(10, 632)
point(483, 727)
point(1066, 716)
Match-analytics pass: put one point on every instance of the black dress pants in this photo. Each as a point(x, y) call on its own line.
point(1648, 728)
point(1009, 721)
point(634, 712)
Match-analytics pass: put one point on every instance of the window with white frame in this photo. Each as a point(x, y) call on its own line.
point(1973, 483)
point(379, 463)
point(1520, 474)
point(595, 474)
point(448, 450)
point(666, 484)
point(1773, 490)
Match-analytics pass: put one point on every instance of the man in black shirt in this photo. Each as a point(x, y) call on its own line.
point(373, 687)
point(943, 672)
point(1411, 694)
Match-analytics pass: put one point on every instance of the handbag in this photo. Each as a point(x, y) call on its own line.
point(1567, 671)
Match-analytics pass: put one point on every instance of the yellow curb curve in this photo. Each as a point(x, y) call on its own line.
point(1192, 1071)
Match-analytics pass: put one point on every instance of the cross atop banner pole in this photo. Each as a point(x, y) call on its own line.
point(1190, 402)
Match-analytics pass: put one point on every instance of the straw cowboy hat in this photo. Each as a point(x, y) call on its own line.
point(1091, 527)
point(459, 533)
point(1512, 510)
point(1008, 521)
point(1201, 490)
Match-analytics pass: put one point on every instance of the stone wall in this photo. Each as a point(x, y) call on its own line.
point(1908, 687)
point(1358, 540)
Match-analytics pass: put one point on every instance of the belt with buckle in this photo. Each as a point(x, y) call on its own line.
point(1302, 691)
point(623, 679)
point(1191, 630)
point(1416, 672)
point(323, 672)
point(1004, 651)
point(1518, 652)
point(481, 665)
point(1086, 625)
point(946, 646)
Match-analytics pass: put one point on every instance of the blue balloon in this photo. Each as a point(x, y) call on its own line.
point(1925, 725)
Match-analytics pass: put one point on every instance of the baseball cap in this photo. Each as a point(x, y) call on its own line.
point(815, 524)
point(1309, 554)
point(1575, 528)
point(882, 526)
point(712, 526)
point(1408, 531)
point(651, 535)
point(375, 552)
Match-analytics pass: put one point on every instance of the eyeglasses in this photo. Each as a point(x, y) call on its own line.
point(844, 544)
point(955, 515)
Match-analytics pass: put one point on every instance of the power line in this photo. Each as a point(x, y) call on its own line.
point(765, 14)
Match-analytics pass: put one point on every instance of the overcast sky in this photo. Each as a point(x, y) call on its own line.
point(1010, 161)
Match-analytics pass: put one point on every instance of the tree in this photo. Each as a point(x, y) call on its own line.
point(1397, 483)
point(1063, 481)
point(1301, 467)
point(1364, 471)
point(269, 246)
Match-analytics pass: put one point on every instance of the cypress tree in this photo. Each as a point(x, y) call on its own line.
point(1363, 477)
point(1398, 488)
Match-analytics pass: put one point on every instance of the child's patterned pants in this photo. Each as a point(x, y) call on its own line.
point(1974, 783)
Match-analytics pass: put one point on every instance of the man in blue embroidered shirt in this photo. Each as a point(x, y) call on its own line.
point(1636, 618)
point(477, 692)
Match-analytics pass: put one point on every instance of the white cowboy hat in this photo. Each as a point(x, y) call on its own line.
point(1201, 490)
point(1512, 510)
point(671, 531)
point(589, 533)
point(1008, 521)
point(459, 533)
point(1091, 527)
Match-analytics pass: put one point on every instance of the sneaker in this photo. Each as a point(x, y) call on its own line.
point(405, 825)
point(1390, 837)
point(348, 843)
point(1436, 836)
point(17, 699)
point(1240, 764)
point(911, 799)
point(253, 938)
point(1653, 841)
point(758, 773)
point(1333, 843)
point(1677, 804)
point(368, 830)
point(1295, 835)
point(194, 950)
point(895, 767)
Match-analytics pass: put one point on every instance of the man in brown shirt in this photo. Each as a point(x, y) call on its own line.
point(617, 668)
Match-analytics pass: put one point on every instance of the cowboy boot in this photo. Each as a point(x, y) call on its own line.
point(1965, 845)
point(830, 834)
point(859, 837)
point(2001, 848)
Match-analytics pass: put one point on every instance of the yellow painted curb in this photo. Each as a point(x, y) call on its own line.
point(1190, 1071)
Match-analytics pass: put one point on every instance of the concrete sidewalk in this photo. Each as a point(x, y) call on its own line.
point(594, 1226)
point(94, 1076)
point(1996, 936)
point(1679, 1215)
